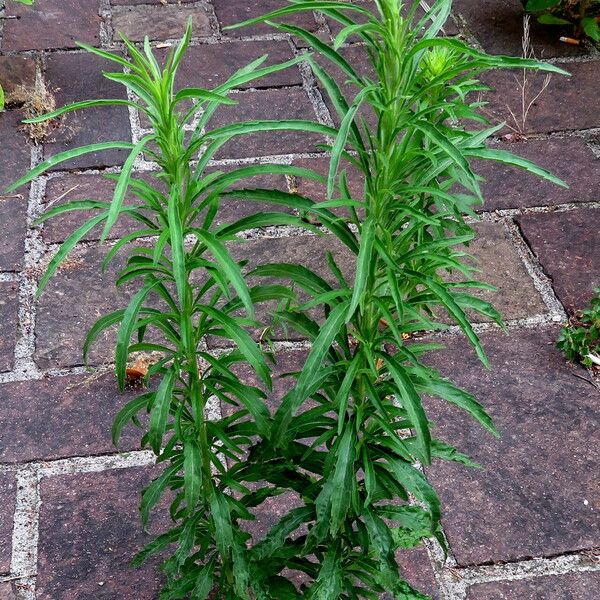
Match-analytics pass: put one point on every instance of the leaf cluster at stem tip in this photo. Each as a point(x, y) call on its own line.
point(346, 446)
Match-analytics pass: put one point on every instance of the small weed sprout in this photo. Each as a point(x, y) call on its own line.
point(580, 338)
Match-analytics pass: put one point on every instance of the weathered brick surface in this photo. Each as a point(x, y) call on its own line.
point(64, 416)
point(269, 105)
point(210, 65)
point(571, 159)
point(159, 22)
point(74, 187)
point(568, 103)
point(17, 74)
point(74, 77)
point(498, 27)
point(74, 300)
point(89, 531)
point(13, 210)
point(335, 27)
point(502, 267)
point(570, 586)
point(537, 493)
point(15, 151)
point(7, 591)
point(51, 24)
point(8, 489)
point(567, 246)
point(8, 323)
point(230, 13)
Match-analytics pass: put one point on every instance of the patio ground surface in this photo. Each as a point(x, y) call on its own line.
point(526, 527)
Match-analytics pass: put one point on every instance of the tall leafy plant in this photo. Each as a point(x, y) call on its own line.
point(188, 287)
point(353, 452)
point(348, 438)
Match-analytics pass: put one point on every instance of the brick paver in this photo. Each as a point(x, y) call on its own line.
point(89, 531)
point(7, 508)
point(8, 323)
point(74, 77)
point(535, 497)
point(537, 494)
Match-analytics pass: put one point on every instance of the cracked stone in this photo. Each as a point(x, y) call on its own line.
point(566, 244)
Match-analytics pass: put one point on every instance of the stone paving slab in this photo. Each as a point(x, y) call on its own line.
point(9, 291)
point(89, 531)
point(579, 586)
point(567, 246)
point(71, 303)
point(65, 416)
point(7, 506)
point(537, 494)
point(16, 73)
point(72, 187)
point(15, 152)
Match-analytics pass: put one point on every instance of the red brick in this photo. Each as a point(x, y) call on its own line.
point(8, 489)
point(8, 323)
point(17, 74)
point(89, 532)
point(571, 159)
point(210, 65)
point(51, 24)
point(159, 22)
point(77, 296)
point(15, 152)
point(74, 77)
point(537, 493)
point(62, 417)
point(230, 13)
point(568, 103)
point(570, 586)
point(498, 27)
point(566, 244)
point(271, 104)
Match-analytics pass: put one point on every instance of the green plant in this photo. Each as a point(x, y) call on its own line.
point(584, 15)
point(580, 339)
point(348, 437)
point(29, 3)
point(353, 454)
point(189, 288)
